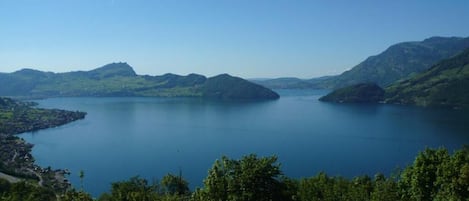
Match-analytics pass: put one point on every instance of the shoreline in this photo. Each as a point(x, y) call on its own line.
point(21, 166)
point(16, 162)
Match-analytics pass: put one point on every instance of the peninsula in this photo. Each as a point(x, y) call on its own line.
point(16, 162)
point(443, 85)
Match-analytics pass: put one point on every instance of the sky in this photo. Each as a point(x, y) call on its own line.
point(246, 38)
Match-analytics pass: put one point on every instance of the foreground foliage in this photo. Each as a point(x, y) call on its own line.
point(434, 175)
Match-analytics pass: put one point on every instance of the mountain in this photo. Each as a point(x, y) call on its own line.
point(111, 70)
point(119, 79)
point(225, 86)
point(443, 85)
point(400, 61)
point(359, 93)
point(292, 83)
point(446, 84)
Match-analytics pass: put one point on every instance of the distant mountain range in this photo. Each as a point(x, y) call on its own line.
point(446, 84)
point(398, 62)
point(293, 83)
point(119, 79)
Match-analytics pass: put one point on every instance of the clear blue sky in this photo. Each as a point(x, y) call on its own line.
point(247, 38)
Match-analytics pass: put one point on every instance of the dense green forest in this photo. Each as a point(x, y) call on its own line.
point(443, 85)
point(359, 93)
point(435, 174)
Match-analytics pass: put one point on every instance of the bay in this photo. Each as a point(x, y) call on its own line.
point(128, 136)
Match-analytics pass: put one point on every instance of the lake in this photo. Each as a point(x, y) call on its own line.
point(149, 137)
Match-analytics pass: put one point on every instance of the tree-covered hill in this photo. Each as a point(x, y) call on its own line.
point(119, 79)
point(228, 87)
point(443, 85)
point(359, 93)
point(446, 84)
point(400, 61)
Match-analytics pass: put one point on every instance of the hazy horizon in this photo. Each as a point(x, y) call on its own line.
point(249, 39)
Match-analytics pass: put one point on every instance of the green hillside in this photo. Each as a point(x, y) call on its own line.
point(225, 86)
point(359, 93)
point(400, 61)
point(119, 79)
point(446, 84)
point(18, 117)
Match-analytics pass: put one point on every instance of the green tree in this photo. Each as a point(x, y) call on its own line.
point(134, 189)
point(324, 188)
point(73, 195)
point(248, 179)
point(361, 188)
point(4, 186)
point(419, 181)
point(453, 177)
point(81, 174)
point(385, 189)
point(23, 191)
point(174, 185)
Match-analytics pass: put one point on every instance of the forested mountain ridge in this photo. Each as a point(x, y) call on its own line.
point(398, 62)
point(119, 79)
point(445, 85)
point(401, 61)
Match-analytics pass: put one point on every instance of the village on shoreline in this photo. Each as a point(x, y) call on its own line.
point(16, 162)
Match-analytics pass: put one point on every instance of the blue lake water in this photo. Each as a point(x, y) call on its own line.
point(149, 137)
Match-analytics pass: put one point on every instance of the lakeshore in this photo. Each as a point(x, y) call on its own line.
point(17, 164)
